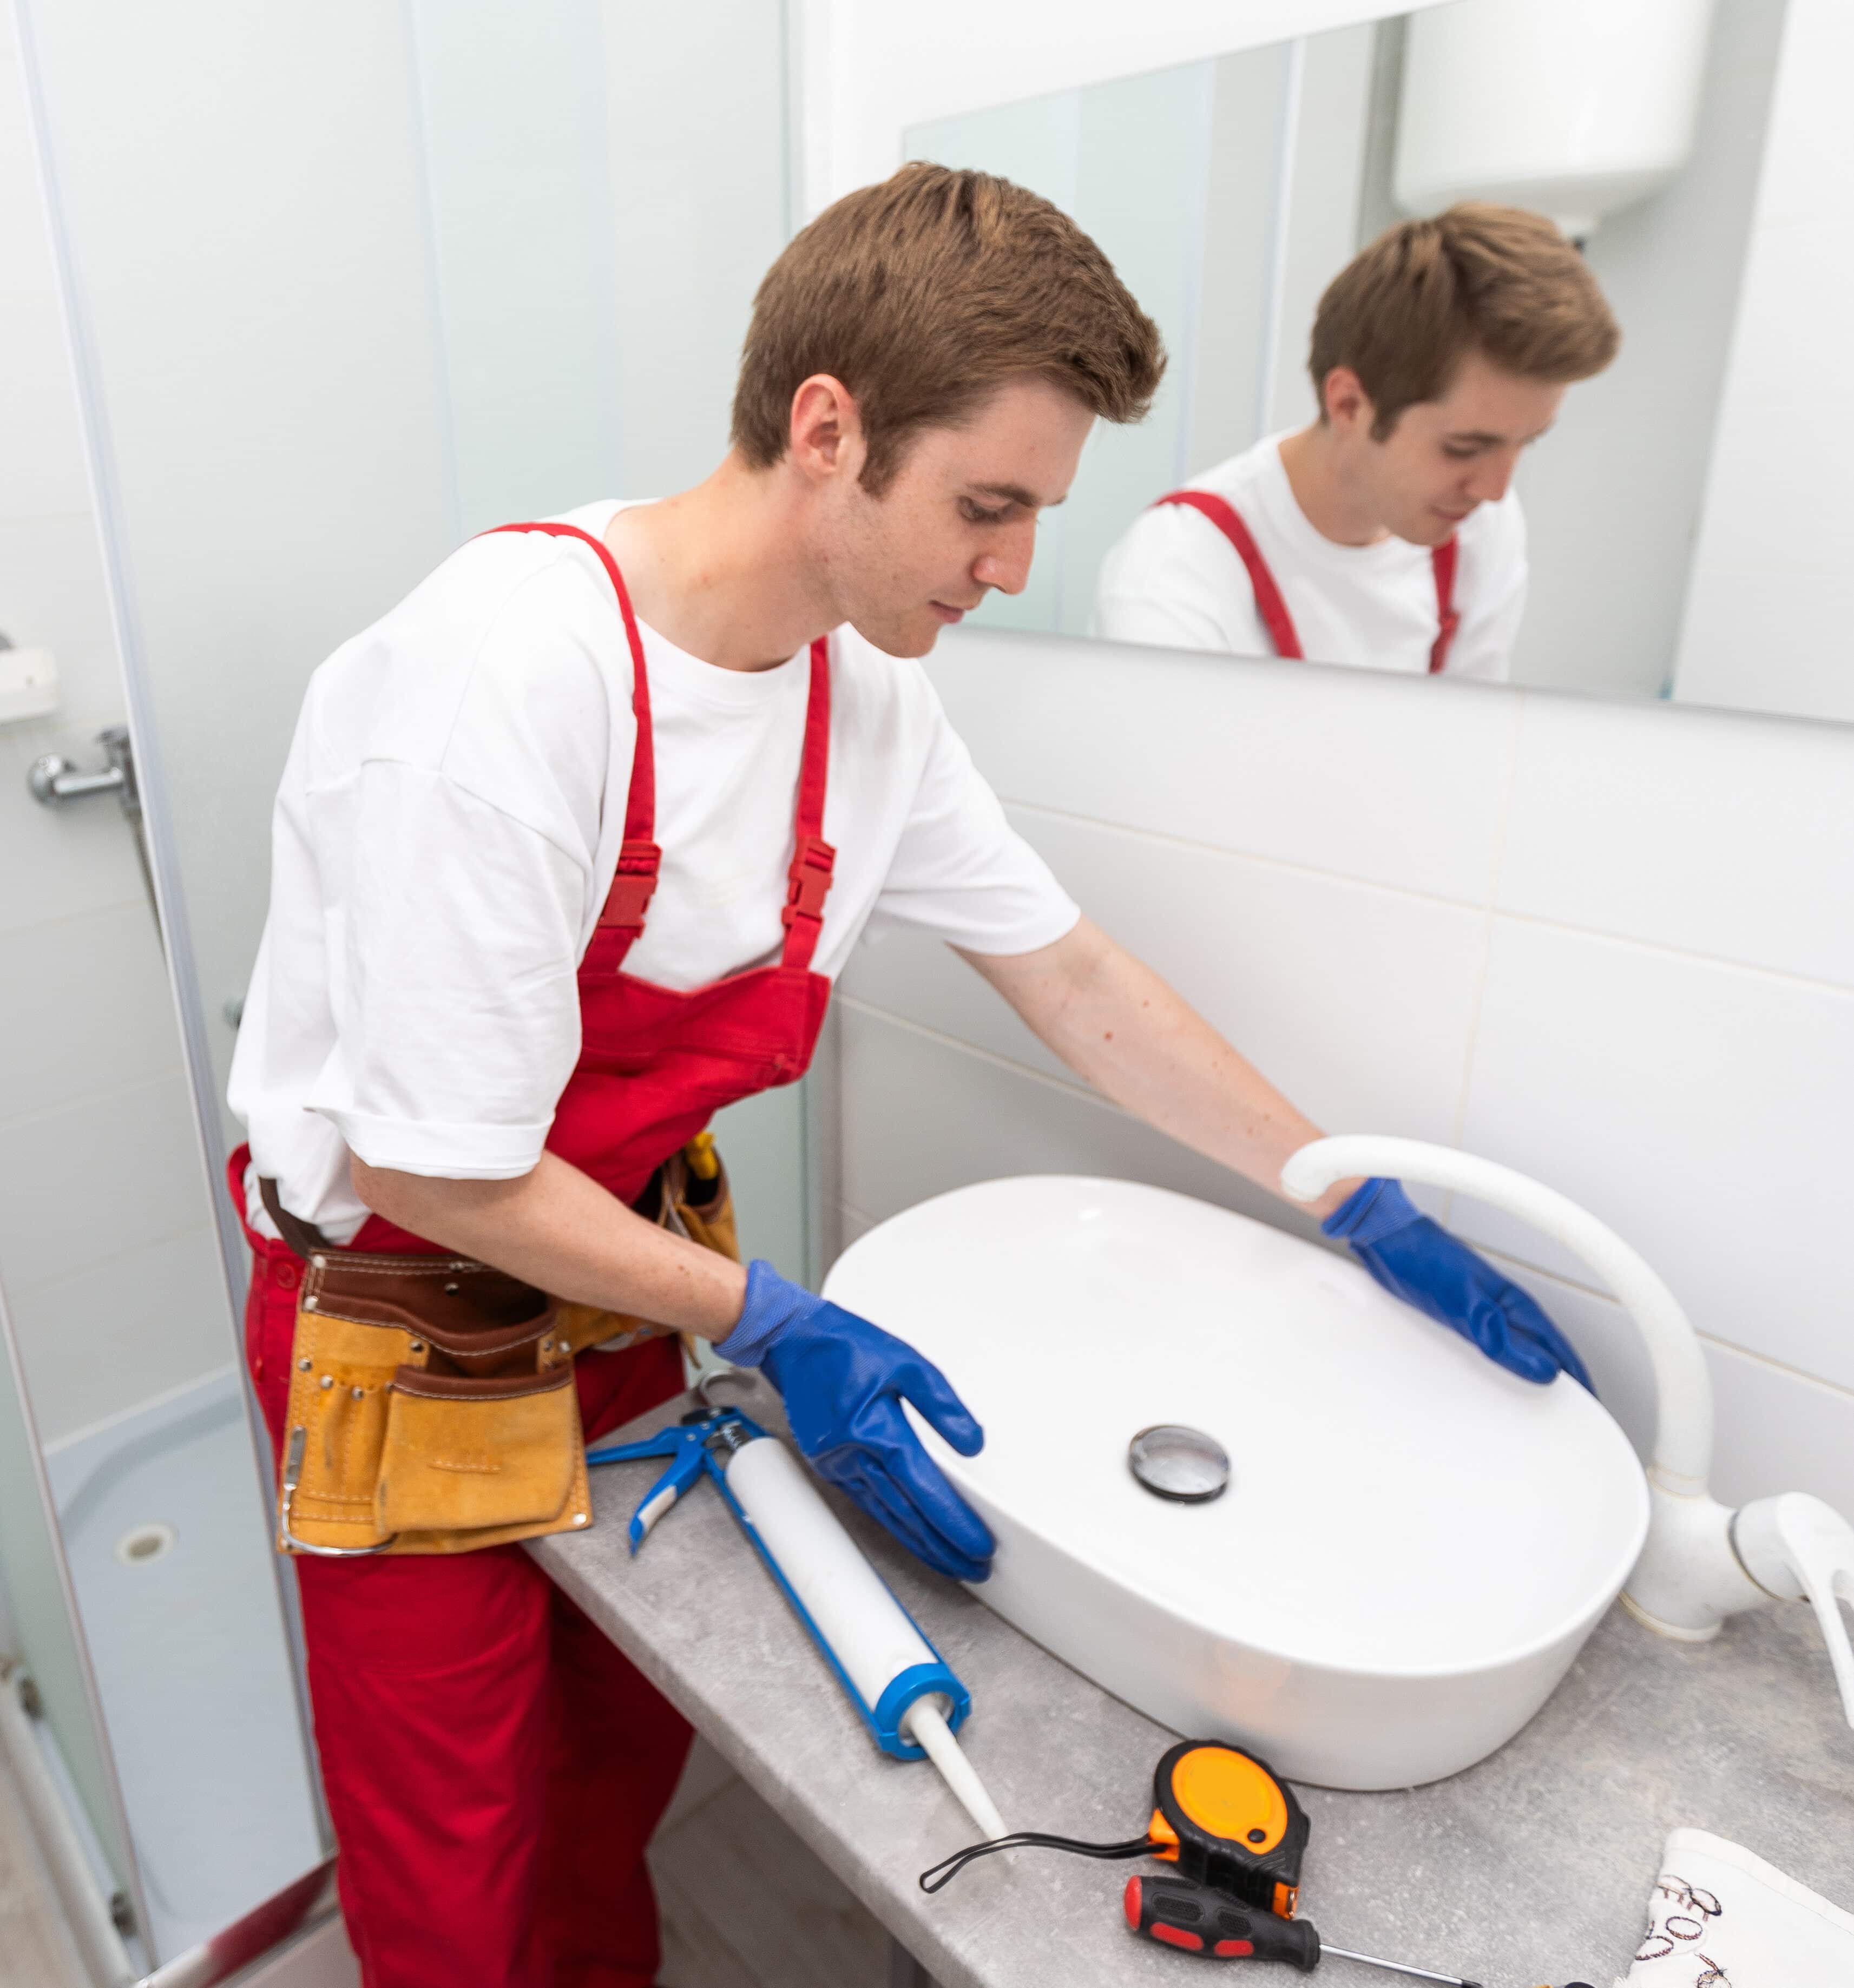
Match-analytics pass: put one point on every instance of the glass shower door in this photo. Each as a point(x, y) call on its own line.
point(345, 283)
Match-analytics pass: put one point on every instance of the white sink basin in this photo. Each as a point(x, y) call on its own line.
point(1413, 1544)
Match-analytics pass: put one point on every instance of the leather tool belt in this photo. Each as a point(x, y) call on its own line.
point(431, 1403)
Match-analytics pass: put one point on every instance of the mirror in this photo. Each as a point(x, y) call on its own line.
point(1229, 193)
point(345, 286)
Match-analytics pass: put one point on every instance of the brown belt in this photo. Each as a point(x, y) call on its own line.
point(432, 1406)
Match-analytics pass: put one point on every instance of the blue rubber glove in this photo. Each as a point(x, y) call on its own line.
point(843, 1381)
point(1418, 1261)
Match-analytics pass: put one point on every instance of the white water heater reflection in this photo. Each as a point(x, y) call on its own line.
point(1574, 108)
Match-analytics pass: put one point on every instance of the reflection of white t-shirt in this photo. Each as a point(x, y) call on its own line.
point(1173, 579)
point(447, 826)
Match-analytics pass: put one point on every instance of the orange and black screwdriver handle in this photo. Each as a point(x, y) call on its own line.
point(1179, 1913)
point(1225, 1820)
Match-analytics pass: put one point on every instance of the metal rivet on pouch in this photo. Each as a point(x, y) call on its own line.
point(318, 1262)
point(328, 1380)
point(303, 1366)
point(308, 1304)
point(452, 1288)
point(579, 1518)
point(416, 1346)
point(357, 1392)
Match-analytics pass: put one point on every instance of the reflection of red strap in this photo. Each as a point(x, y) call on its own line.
point(1442, 563)
point(1273, 610)
point(1268, 602)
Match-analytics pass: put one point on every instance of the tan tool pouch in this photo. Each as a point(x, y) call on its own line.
point(431, 1404)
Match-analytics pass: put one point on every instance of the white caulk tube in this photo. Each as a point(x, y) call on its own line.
point(910, 1699)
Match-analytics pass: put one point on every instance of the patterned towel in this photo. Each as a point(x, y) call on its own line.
point(1721, 1918)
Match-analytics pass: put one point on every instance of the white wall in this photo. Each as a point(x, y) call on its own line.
point(1613, 495)
point(1772, 603)
point(866, 73)
point(106, 1249)
point(1607, 945)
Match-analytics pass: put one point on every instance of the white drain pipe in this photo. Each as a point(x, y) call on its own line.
point(1702, 1562)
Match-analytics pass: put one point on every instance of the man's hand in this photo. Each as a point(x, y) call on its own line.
point(1417, 1260)
point(843, 1381)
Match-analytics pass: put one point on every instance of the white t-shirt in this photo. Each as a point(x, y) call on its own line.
point(448, 824)
point(1173, 579)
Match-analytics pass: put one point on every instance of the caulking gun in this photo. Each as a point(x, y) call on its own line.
point(907, 1696)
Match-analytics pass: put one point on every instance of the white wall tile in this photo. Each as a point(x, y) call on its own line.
point(1716, 834)
point(91, 1183)
point(41, 469)
point(90, 1015)
point(109, 1336)
point(1398, 780)
point(1357, 1002)
point(922, 1116)
point(53, 595)
point(1699, 1109)
point(1778, 1430)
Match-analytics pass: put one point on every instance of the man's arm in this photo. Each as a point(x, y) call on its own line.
point(558, 1228)
point(1114, 1022)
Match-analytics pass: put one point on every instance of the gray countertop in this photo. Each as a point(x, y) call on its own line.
point(1533, 1866)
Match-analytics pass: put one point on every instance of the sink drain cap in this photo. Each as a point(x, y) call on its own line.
point(1182, 1464)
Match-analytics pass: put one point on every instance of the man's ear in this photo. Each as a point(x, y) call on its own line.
point(1344, 401)
point(826, 441)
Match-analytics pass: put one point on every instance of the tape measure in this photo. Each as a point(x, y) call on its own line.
point(1221, 1815)
point(1225, 1820)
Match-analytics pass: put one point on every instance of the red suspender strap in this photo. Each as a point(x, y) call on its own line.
point(813, 858)
point(1442, 558)
point(1268, 602)
point(635, 880)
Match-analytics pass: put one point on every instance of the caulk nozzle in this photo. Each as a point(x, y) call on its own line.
point(926, 1724)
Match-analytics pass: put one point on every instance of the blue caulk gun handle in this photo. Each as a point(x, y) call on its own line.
point(907, 1696)
point(690, 1446)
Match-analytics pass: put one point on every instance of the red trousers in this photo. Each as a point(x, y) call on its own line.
point(494, 1766)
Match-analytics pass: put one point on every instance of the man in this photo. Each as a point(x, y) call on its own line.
point(568, 848)
point(1387, 534)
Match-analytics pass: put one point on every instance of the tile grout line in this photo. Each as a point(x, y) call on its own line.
point(83, 1101)
point(1085, 1092)
point(1782, 1367)
point(1483, 973)
point(1659, 948)
point(1094, 1097)
point(62, 920)
point(36, 1286)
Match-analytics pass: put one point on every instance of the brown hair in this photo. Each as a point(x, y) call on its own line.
point(923, 294)
point(1406, 310)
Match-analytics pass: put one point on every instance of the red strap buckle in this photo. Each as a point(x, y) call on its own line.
point(810, 879)
point(633, 886)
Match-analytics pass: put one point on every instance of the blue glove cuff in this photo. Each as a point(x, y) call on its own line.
point(772, 1304)
point(1379, 1208)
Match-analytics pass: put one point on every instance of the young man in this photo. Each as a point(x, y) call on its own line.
point(1386, 535)
point(554, 879)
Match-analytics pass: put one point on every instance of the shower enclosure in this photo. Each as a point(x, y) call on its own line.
point(340, 286)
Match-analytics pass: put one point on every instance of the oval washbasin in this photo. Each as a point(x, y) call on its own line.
point(1412, 1544)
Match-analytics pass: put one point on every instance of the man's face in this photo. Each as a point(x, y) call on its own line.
point(959, 518)
point(1446, 457)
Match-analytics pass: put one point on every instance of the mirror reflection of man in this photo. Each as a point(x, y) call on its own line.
point(1387, 534)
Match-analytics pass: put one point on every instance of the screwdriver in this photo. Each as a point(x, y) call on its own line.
point(1177, 1912)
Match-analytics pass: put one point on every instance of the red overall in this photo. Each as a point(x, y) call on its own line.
point(494, 1766)
point(1273, 610)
